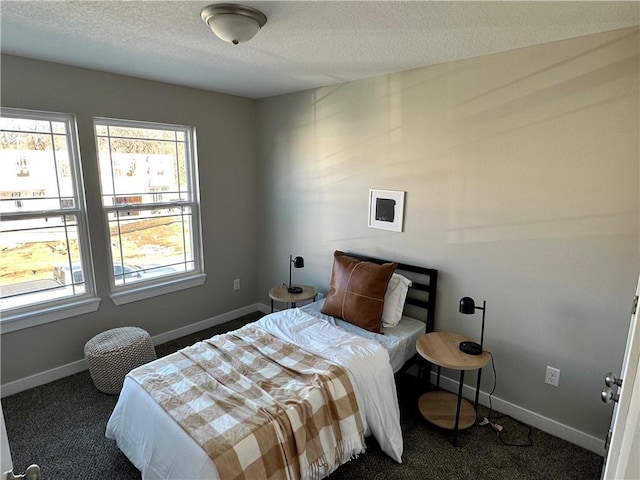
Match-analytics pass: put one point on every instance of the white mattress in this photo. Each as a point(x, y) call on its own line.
point(161, 449)
point(399, 341)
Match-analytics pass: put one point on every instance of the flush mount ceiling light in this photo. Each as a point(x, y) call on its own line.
point(233, 23)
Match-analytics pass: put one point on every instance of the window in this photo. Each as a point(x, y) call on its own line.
point(44, 225)
point(154, 238)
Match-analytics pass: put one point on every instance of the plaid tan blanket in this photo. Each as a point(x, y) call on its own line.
point(260, 407)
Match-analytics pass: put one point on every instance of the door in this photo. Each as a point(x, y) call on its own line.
point(623, 455)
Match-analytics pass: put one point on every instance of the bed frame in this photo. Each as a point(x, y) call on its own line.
point(421, 298)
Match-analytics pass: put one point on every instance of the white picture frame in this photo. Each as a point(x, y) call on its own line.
point(386, 209)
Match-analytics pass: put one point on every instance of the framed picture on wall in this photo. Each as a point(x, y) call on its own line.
point(386, 209)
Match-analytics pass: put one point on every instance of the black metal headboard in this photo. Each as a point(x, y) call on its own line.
point(422, 293)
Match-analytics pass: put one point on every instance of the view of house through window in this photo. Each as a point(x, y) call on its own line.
point(43, 229)
point(149, 193)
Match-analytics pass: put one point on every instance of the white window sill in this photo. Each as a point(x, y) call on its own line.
point(17, 321)
point(142, 292)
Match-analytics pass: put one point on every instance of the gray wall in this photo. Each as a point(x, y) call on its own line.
point(225, 129)
point(522, 178)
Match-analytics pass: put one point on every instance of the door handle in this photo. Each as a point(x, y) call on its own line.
point(610, 380)
point(607, 395)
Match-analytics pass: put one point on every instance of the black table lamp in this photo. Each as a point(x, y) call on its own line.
point(468, 306)
point(297, 262)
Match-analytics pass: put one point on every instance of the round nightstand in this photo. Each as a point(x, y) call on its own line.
point(442, 408)
point(280, 294)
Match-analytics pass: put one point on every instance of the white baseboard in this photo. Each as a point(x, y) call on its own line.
point(41, 378)
point(534, 419)
point(78, 366)
point(209, 322)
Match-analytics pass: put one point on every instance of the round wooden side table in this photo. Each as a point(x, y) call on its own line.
point(280, 294)
point(442, 408)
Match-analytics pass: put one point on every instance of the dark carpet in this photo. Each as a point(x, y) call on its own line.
point(60, 426)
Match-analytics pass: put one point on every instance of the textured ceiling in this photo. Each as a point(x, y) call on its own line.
point(305, 44)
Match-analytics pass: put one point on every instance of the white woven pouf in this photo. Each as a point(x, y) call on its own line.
point(112, 354)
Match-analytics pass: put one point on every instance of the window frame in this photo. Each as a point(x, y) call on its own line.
point(140, 290)
point(39, 313)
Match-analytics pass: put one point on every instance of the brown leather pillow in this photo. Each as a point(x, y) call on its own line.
point(357, 291)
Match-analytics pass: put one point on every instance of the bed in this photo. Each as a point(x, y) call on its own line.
point(156, 441)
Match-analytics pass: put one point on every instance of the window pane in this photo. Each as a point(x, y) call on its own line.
point(140, 169)
point(26, 141)
point(138, 178)
point(59, 127)
point(38, 256)
point(101, 130)
point(151, 243)
point(133, 132)
point(25, 125)
point(32, 169)
point(132, 174)
point(181, 169)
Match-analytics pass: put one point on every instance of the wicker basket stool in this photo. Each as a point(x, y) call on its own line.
point(112, 354)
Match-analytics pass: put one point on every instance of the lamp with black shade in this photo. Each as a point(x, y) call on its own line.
point(468, 306)
point(297, 262)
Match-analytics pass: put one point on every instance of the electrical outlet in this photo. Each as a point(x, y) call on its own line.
point(236, 284)
point(552, 376)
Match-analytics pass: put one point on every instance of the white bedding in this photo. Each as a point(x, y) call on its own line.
point(399, 341)
point(160, 449)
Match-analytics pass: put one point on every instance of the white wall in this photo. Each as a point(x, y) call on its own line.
point(522, 178)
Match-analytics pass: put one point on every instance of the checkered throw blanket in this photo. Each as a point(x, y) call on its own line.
point(260, 407)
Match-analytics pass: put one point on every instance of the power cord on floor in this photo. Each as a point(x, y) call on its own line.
point(494, 424)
